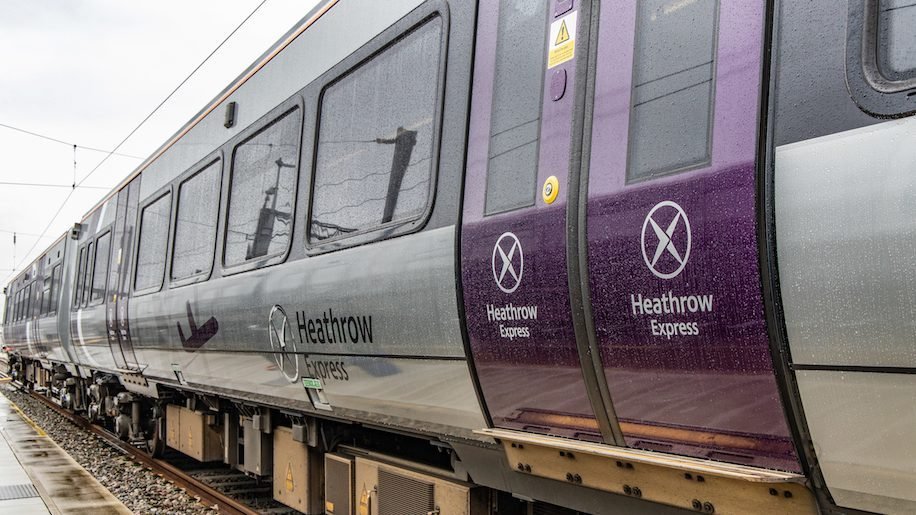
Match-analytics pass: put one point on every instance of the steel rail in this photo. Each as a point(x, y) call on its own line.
point(208, 495)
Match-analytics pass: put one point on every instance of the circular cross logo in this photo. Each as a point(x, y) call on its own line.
point(283, 346)
point(508, 268)
point(666, 246)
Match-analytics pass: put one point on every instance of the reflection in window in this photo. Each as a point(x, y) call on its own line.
point(100, 273)
point(516, 118)
point(375, 141)
point(671, 118)
point(897, 39)
point(195, 226)
point(154, 233)
point(261, 198)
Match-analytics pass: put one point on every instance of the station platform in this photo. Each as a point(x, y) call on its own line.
point(38, 477)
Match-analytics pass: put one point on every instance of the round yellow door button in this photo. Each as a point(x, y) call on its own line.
point(551, 189)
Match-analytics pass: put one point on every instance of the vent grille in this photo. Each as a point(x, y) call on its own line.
point(10, 492)
point(399, 495)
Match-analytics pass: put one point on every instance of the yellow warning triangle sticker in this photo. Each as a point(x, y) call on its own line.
point(290, 485)
point(563, 35)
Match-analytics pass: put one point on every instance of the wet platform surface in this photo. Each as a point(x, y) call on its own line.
point(38, 477)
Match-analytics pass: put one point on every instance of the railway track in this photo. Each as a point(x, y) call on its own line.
point(214, 487)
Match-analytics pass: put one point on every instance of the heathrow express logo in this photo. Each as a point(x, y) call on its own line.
point(508, 269)
point(283, 344)
point(669, 246)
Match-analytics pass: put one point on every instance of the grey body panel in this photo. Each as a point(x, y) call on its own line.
point(414, 367)
point(845, 238)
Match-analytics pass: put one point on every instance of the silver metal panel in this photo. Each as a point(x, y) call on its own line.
point(862, 426)
point(90, 343)
point(343, 29)
point(846, 236)
point(413, 367)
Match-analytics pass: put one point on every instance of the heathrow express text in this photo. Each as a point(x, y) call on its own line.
point(515, 314)
point(671, 304)
point(329, 329)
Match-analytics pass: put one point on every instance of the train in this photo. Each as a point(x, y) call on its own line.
point(518, 257)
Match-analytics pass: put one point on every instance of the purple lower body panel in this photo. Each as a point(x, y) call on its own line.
point(680, 322)
point(523, 340)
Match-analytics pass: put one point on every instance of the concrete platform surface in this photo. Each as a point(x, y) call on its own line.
point(38, 477)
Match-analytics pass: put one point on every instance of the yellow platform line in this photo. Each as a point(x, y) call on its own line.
point(36, 427)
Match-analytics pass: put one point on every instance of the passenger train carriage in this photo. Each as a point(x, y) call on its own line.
point(518, 256)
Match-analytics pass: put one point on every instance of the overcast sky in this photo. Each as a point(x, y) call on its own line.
point(88, 72)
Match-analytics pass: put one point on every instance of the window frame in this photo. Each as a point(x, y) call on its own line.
point(631, 178)
point(199, 167)
point(284, 109)
point(870, 89)
point(109, 230)
point(377, 46)
point(168, 189)
point(548, 19)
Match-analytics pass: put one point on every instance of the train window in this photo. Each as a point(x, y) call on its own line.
point(55, 289)
point(78, 290)
point(897, 39)
point(28, 301)
point(151, 251)
point(375, 153)
point(195, 225)
point(100, 272)
point(87, 279)
point(517, 97)
point(46, 294)
point(673, 83)
point(881, 56)
point(262, 192)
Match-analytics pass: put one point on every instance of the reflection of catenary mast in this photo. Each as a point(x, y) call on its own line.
point(265, 230)
point(403, 148)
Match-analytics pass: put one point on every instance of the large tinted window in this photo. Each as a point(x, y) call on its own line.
point(46, 293)
point(154, 233)
point(55, 289)
point(87, 278)
point(375, 151)
point(516, 118)
point(28, 301)
point(81, 270)
point(195, 225)
point(262, 192)
point(673, 79)
point(100, 273)
point(897, 39)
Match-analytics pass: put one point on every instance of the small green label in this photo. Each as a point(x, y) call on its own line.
point(311, 383)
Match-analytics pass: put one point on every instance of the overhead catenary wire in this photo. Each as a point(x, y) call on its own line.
point(74, 145)
point(119, 145)
point(166, 99)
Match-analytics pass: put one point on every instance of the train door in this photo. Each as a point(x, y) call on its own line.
point(118, 324)
point(513, 240)
point(673, 271)
point(114, 282)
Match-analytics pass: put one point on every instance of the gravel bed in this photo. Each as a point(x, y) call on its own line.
point(139, 488)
